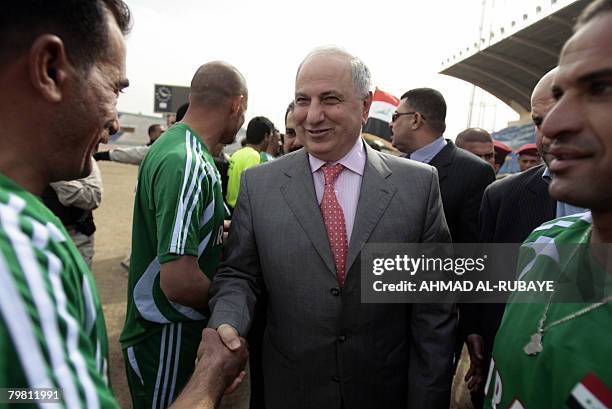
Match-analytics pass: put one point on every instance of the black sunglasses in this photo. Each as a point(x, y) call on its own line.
point(398, 114)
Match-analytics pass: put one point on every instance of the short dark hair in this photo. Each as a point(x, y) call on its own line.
point(257, 130)
point(81, 24)
point(290, 108)
point(153, 128)
point(429, 103)
point(591, 11)
point(473, 135)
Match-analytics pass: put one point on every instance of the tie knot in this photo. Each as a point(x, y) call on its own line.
point(331, 172)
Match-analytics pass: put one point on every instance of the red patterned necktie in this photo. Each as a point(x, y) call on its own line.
point(334, 219)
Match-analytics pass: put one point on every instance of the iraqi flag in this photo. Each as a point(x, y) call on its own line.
point(379, 119)
point(590, 393)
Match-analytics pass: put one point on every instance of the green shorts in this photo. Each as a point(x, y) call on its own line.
point(159, 367)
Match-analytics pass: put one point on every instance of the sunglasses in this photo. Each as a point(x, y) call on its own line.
point(398, 114)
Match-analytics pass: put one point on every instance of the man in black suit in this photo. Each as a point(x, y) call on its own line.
point(514, 206)
point(418, 126)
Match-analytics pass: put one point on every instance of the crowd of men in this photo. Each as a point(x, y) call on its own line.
point(286, 270)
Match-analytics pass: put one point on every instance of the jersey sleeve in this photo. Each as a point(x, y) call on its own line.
point(44, 342)
point(181, 190)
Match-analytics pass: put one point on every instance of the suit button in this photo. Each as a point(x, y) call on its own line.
point(336, 378)
point(335, 292)
point(342, 338)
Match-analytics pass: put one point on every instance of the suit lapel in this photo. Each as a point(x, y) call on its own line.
point(443, 160)
point(299, 193)
point(376, 193)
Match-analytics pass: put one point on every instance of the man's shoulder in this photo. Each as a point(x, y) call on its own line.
point(178, 150)
point(570, 229)
point(469, 161)
point(401, 164)
point(19, 204)
point(281, 165)
point(244, 153)
point(516, 183)
point(287, 164)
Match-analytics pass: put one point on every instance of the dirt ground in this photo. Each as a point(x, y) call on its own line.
point(113, 237)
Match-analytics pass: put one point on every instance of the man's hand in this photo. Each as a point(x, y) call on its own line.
point(224, 363)
point(229, 336)
point(218, 370)
point(105, 155)
point(226, 227)
point(475, 374)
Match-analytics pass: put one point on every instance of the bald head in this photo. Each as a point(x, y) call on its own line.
point(542, 98)
point(542, 101)
point(216, 82)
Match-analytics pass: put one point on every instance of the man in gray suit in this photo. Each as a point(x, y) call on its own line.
point(298, 228)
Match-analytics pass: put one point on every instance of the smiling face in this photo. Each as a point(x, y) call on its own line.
point(91, 106)
point(579, 125)
point(328, 114)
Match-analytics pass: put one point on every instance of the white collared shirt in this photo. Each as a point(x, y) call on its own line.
point(348, 184)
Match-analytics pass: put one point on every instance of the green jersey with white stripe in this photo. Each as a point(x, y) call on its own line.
point(576, 352)
point(52, 332)
point(178, 211)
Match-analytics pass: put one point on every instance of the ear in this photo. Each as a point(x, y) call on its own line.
point(417, 121)
point(49, 67)
point(367, 102)
point(236, 105)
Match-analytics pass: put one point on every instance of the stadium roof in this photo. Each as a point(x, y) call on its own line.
point(516, 58)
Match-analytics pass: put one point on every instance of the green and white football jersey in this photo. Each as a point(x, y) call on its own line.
point(52, 332)
point(576, 354)
point(178, 210)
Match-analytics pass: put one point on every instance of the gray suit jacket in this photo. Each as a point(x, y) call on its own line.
point(322, 345)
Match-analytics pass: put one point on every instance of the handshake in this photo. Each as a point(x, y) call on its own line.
point(222, 356)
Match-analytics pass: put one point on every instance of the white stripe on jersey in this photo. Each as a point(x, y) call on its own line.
point(188, 198)
point(40, 235)
point(180, 209)
point(162, 349)
point(145, 303)
point(209, 212)
point(99, 357)
point(543, 246)
point(204, 243)
point(90, 309)
point(194, 199)
point(143, 294)
point(134, 364)
point(566, 221)
point(55, 233)
point(72, 341)
point(177, 355)
point(19, 326)
point(169, 353)
point(42, 301)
